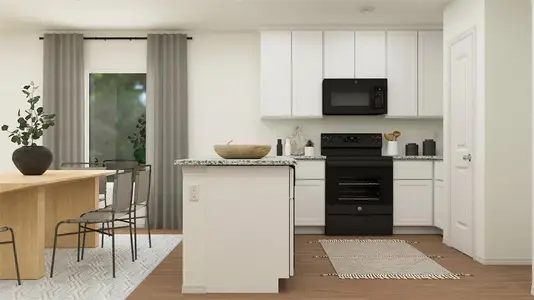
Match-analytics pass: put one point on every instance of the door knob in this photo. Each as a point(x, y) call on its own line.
point(467, 157)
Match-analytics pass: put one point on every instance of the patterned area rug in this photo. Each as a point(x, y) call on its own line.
point(91, 278)
point(381, 259)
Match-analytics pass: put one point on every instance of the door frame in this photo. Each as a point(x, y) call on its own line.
point(447, 141)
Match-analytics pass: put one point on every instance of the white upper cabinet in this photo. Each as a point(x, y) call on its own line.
point(370, 54)
point(307, 62)
point(275, 74)
point(339, 54)
point(431, 73)
point(402, 73)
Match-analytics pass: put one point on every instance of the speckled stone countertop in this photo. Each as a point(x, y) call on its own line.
point(266, 161)
point(419, 157)
point(302, 157)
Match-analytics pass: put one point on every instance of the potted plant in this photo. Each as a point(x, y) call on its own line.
point(30, 158)
point(309, 149)
point(138, 140)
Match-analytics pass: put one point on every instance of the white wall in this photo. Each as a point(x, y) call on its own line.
point(508, 132)
point(224, 101)
point(502, 146)
point(21, 61)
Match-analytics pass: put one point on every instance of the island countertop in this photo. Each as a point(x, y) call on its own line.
point(266, 161)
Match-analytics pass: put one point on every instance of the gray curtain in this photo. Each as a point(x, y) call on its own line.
point(166, 126)
point(63, 94)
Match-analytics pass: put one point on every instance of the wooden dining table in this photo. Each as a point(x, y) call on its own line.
point(33, 205)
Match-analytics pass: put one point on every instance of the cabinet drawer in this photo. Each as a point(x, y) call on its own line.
point(412, 170)
point(310, 169)
point(439, 171)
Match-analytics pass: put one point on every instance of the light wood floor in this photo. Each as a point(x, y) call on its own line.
point(488, 282)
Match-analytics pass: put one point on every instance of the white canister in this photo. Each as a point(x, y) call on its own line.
point(309, 151)
point(392, 148)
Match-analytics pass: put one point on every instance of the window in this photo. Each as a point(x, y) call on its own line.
point(117, 108)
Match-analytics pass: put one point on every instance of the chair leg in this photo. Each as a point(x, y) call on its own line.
point(79, 241)
point(113, 247)
point(147, 224)
point(83, 242)
point(102, 241)
point(54, 250)
point(15, 255)
point(131, 235)
point(135, 232)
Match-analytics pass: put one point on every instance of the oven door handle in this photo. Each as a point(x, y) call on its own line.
point(360, 163)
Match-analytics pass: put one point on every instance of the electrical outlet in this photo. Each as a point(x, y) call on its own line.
point(193, 193)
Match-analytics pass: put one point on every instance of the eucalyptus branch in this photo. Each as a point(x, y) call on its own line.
point(30, 127)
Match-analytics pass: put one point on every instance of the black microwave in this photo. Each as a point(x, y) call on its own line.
point(354, 96)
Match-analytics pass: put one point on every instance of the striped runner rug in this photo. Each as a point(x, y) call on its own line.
point(382, 259)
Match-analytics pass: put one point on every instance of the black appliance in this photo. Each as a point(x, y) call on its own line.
point(412, 149)
point(355, 96)
point(358, 185)
point(429, 147)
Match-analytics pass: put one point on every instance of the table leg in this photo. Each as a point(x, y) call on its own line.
point(69, 200)
point(24, 211)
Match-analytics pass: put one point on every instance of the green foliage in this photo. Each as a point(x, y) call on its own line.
point(115, 105)
point(138, 138)
point(31, 126)
point(309, 143)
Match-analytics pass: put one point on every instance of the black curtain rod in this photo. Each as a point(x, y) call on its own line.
point(131, 38)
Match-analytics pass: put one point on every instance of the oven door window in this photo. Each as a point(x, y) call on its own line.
point(350, 99)
point(350, 189)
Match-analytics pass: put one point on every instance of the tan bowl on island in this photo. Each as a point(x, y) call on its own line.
point(242, 151)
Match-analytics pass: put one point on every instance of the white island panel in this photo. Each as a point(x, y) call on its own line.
point(238, 228)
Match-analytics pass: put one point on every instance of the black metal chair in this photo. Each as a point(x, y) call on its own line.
point(122, 205)
point(102, 187)
point(4, 229)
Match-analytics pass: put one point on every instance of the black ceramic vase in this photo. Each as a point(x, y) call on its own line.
point(32, 160)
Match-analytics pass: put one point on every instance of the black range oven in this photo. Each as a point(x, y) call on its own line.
point(359, 185)
point(354, 96)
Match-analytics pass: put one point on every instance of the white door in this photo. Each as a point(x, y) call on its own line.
point(370, 54)
point(412, 203)
point(338, 54)
point(462, 92)
point(430, 73)
point(309, 203)
point(275, 83)
point(402, 73)
point(307, 73)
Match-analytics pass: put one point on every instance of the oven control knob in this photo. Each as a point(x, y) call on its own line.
point(359, 208)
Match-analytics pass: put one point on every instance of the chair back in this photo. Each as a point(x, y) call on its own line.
point(88, 166)
point(118, 164)
point(123, 181)
point(142, 184)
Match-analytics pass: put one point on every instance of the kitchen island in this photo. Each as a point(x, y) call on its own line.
point(238, 224)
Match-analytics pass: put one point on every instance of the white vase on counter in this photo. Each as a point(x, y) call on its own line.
point(392, 148)
point(309, 151)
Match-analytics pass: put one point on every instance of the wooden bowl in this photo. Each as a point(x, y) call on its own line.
point(242, 151)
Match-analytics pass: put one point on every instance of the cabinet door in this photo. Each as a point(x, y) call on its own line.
point(309, 203)
point(439, 203)
point(307, 58)
point(291, 223)
point(275, 82)
point(338, 54)
point(402, 73)
point(430, 73)
point(370, 54)
point(413, 203)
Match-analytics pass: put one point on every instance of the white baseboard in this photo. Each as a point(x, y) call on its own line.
point(193, 289)
point(504, 261)
point(309, 229)
point(532, 290)
point(416, 230)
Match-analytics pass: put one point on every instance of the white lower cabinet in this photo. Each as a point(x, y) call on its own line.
point(413, 203)
point(309, 203)
point(439, 204)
